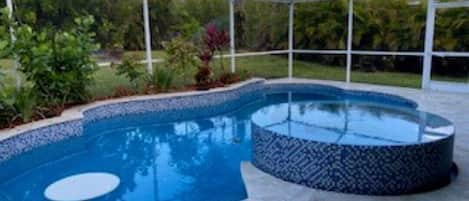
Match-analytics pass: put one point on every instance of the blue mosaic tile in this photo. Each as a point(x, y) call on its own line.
point(39, 137)
point(372, 170)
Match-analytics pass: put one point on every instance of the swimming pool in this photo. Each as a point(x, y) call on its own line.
point(190, 147)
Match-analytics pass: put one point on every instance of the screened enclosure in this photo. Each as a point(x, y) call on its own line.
point(410, 43)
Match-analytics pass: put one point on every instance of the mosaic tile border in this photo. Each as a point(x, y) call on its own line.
point(194, 104)
point(370, 170)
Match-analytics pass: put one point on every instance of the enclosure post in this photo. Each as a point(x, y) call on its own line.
point(232, 36)
point(290, 39)
point(146, 20)
point(429, 36)
point(349, 41)
point(13, 39)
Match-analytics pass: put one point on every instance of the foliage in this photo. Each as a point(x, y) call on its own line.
point(161, 79)
point(129, 68)
point(6, 109)
point(203, 75)
point(58, 64)
point(244, 74)
point(215, 40)
point(229, 78)
point(25, 103)
point(18, 106)
point(265, 25)
point(122, 91)
point(204, 71)
point(2, 78)
point(180, 55)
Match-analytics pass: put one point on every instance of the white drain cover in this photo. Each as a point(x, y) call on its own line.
point(82, 187)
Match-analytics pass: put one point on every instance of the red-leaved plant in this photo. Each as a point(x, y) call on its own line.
point(214, 41)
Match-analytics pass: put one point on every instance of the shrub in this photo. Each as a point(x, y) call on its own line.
point(6, 110)
point(122, 91)
point(180, 55)
point(2, 77)
point(160, 80)
point(229, 78)
point(18, 106)
point(26, 106)
point(204, 72)
point(130, 69)
point(215, 40)
point(58, 64)
point(203, 75)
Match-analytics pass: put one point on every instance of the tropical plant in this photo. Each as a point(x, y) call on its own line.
point(20, 105)
point(122, 91)
point(204, 72)
point(130, 68)
point(229, 78)
point(6, 109)
point(265, 25)
point(2, 78)
point(58, 64)
point(160, 80)
point(215, 40)
point(26, 105)
point(180, 55)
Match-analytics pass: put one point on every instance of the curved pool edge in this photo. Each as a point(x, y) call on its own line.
point(72, 122)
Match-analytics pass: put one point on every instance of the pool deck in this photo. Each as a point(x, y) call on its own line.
point(454, 106)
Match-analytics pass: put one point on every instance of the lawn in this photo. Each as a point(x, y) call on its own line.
point(260, 66)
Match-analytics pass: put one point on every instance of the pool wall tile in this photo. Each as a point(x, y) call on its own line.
point(39, 137)
point(371, 170)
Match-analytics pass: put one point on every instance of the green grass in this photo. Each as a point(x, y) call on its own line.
point(260, 66)
point(273, 67)
point(141, 54)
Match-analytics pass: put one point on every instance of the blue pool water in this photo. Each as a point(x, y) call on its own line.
point(352, 123)
point(199, 159)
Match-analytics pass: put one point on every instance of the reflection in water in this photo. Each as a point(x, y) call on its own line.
point(188, 160)
point(352, 122)
point(197, 160)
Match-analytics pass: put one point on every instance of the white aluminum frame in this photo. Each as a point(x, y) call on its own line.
point(349, 42)
point(146, 20)
point(232, 37)
point(13, 38)
point(428, 52)
point(427, 82)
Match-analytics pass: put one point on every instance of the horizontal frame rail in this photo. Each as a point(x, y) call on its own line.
point(451, 54)
point(456, 4)
point(326, 52)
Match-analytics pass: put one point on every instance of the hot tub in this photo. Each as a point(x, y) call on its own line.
point(353, 145)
